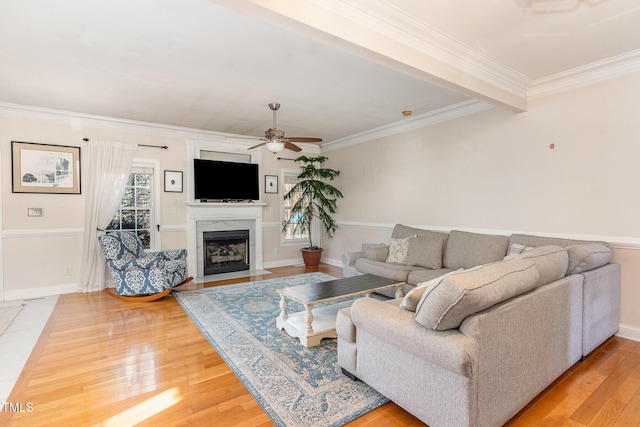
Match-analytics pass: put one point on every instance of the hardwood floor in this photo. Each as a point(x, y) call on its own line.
point(105, 362)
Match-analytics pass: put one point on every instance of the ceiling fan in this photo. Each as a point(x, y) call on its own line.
point(275, 140)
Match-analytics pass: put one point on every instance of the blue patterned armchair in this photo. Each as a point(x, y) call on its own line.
point(137, 272)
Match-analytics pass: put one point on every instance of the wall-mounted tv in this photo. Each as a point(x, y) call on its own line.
point(216, 180)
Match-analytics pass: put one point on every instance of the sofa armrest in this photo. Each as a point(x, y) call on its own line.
point(600, 306)
point(349, 259)
point(526, 343)
point(349, 263)
point(387, 322)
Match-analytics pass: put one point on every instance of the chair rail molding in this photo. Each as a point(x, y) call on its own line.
point(615, 241)
point(42, 232)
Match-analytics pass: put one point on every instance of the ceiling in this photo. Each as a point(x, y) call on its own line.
point(339, 68)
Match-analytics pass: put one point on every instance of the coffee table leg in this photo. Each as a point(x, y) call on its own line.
point(283, 308)
point(308, 318)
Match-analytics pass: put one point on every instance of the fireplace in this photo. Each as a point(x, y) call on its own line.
point(208, 217)
point(225, 251)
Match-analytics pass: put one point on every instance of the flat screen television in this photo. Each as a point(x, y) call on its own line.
point(225, 181)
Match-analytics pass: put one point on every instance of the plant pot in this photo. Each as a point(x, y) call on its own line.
point(311, 257)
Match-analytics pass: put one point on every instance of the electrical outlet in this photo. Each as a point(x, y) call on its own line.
point(67, 271)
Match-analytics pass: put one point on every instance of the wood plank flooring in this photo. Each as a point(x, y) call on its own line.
point(105, 362)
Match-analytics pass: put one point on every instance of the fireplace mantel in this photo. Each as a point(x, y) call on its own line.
point(207, 205)
point(223, 216)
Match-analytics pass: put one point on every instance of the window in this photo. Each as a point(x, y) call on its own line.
point(292, 232)
point(135, 210)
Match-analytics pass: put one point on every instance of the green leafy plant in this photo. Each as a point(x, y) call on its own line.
point(313, 197)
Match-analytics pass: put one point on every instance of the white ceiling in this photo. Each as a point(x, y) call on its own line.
point(199, 64)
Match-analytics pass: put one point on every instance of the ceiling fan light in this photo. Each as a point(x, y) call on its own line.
point(275, 146)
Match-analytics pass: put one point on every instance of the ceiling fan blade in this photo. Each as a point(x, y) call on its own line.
point(256, 146)
point(292, 147)
point(303, 139)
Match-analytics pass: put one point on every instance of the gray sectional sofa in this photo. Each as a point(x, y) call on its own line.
point(484, 327)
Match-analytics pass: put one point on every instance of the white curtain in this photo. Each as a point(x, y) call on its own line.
point(106, 170)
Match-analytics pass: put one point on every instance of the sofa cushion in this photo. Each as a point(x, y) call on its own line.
point(426, 251)
point(587, 257)
point(399, 249)
point(398, 272)
point(424, 275)
point(400, 231)
point(529, 240)
point(552, 262)
point(466, 250)
point(462, 293)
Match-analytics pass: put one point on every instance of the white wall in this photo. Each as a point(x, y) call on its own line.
point(495, 172)
point(36, 250)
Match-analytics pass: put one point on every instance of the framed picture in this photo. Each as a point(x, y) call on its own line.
point(173, 181)
point(45, 168)
point(271, 184)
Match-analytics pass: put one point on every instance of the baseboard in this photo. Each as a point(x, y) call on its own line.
point(232, 275)
point(283, 263)
point(629, 332)
point(23, 294)
point(331, 261)
point(299, 261)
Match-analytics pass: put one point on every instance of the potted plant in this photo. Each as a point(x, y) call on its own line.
point(313, 197)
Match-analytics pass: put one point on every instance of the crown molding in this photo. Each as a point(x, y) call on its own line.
point(81, 120)
point(589, 74)
point(441, 115)
point(389, 20)
point(383, 17)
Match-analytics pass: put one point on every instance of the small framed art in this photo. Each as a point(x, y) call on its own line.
point(45, 168)
point(271, 184)
point(173, 181)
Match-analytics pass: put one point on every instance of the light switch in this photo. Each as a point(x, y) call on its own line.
point(35, 212)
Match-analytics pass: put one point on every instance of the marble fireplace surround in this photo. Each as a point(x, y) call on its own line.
point(221, 217)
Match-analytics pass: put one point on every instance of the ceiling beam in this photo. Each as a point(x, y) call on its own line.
point(377, 31)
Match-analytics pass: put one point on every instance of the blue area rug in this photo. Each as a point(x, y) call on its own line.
point(296, 386)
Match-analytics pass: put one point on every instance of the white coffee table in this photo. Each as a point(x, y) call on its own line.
point(314, 324)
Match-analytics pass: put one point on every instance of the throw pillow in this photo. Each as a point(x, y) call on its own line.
point(461, 294)
point(367, 246)
point(398, 249)
point(426, 251)
point(378, 253)
point(413, 297)
point(552, 262)
point(587, 257)
point(517, 249)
